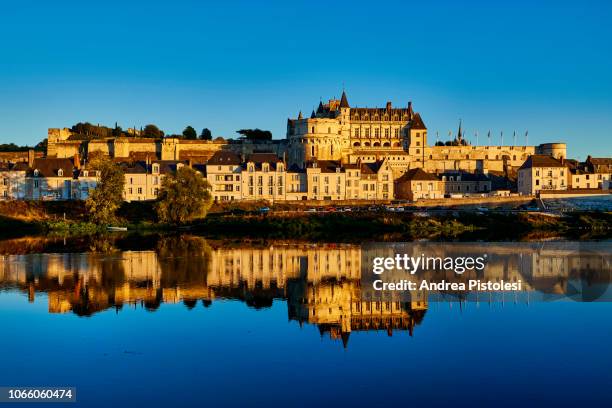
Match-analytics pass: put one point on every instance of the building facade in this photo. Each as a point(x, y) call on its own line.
point(542, 173)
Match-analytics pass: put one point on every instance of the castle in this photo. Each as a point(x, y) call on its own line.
point(337, 131)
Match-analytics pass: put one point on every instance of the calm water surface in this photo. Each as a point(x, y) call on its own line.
point(188, 322)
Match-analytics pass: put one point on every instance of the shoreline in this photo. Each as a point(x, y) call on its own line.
point(349, 227)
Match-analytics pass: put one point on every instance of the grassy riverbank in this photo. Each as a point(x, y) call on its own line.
point(69, 219)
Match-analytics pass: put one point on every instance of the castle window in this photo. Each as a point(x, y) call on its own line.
point(396, 132)
point(328, 130)
point(357, 132)
point(312, 130)
point(60, 172)
point(367, 132)
point(376, 144)
point(376, 132)
point(386, 132)
point(356, 144)
point(386, 144)
point(367, 144)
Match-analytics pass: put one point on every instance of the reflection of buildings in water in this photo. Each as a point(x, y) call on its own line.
point(337, 307)
point(321, 283)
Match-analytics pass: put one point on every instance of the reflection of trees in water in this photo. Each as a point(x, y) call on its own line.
point(102, 243)
point(183, 260)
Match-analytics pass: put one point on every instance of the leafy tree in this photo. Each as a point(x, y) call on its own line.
point(255, 134)
point(104, 201)
point(12, 147)
point(117, 131)
point(189, 133)
point(439, 143)
point(152, 131)
point(206, 134)
point(183, 197)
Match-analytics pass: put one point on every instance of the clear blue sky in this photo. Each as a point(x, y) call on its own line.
point(545, 68)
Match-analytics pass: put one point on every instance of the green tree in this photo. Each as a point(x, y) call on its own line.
point(255, 134)
point(104, 201)
point(189, 133)
point(183, 197)
point(206, 134)
point(152, 131)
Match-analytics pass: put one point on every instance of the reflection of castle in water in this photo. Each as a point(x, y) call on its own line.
point(320, 283)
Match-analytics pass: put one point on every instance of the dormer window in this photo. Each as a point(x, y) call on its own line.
point(156, 168)
point(60, 172)
point(36, 173)
point(85, 173)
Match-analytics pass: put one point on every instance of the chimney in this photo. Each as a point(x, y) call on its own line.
point(190, 162)
point(30, 158)
point(388, 105)
point(77, 161)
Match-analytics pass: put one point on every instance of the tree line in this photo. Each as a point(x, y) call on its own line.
point(86, 130)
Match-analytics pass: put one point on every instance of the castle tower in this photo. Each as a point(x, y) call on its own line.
point(417, 140)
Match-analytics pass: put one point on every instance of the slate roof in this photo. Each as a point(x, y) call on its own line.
point(417, 122)
point(417, 174)
point(50, 167)
point(540, 160)
point(224, 158)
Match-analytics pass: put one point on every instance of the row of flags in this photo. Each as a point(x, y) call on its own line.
point(501, 135)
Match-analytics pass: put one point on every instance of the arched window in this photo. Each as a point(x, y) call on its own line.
point(60, 172)
point(376, 144)
point(312, 130)
point(387, 144)
point(367, 144)
point(356, 144)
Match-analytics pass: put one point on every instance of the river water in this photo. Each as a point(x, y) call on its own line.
point(183, 321)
